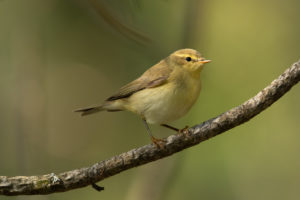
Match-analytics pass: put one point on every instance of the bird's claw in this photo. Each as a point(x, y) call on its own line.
point(185, 130)
point(158, 142)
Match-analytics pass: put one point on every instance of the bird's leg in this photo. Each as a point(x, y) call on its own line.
point(185, 130)
point(170, 127)
point(156, 141)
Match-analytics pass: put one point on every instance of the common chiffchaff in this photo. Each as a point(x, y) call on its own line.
point(162, 94)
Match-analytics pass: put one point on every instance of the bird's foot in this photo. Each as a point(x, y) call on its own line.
point(158, 142)
point(185, 130)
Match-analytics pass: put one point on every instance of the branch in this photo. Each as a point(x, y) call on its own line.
point(50, 183)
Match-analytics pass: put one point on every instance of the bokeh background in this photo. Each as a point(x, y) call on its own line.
point(58, 55)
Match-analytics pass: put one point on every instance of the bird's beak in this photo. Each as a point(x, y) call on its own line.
point(204, 61)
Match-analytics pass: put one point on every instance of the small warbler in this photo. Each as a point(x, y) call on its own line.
point(162, 94)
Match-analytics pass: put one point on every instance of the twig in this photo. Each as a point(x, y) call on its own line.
point(97, 187)
point(50, 183)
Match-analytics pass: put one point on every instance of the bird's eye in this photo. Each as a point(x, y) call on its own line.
point(188, 59)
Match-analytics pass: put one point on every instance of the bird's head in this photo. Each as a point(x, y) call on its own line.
point(188, 59)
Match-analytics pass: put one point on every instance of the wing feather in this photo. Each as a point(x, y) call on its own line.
point(153, 77)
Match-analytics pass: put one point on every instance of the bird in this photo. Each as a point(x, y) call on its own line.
point(162, 94)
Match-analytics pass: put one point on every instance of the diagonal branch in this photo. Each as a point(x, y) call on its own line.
point(51, 183)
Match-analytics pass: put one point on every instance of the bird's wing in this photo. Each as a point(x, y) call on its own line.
point(153, 77)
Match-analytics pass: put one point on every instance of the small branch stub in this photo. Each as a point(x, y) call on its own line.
point(97, 187)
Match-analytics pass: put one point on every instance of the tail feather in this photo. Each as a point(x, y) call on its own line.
point(89, 110)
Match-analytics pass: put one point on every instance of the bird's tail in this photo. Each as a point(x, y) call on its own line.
point(90, 110)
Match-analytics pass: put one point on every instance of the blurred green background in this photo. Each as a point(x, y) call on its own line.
point(56, 56)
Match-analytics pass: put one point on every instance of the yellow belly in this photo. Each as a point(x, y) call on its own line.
point(165, 103)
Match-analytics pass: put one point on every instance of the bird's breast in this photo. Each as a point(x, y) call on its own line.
point(167, 102)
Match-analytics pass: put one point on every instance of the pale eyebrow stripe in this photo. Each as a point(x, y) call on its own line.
point(188, 55)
